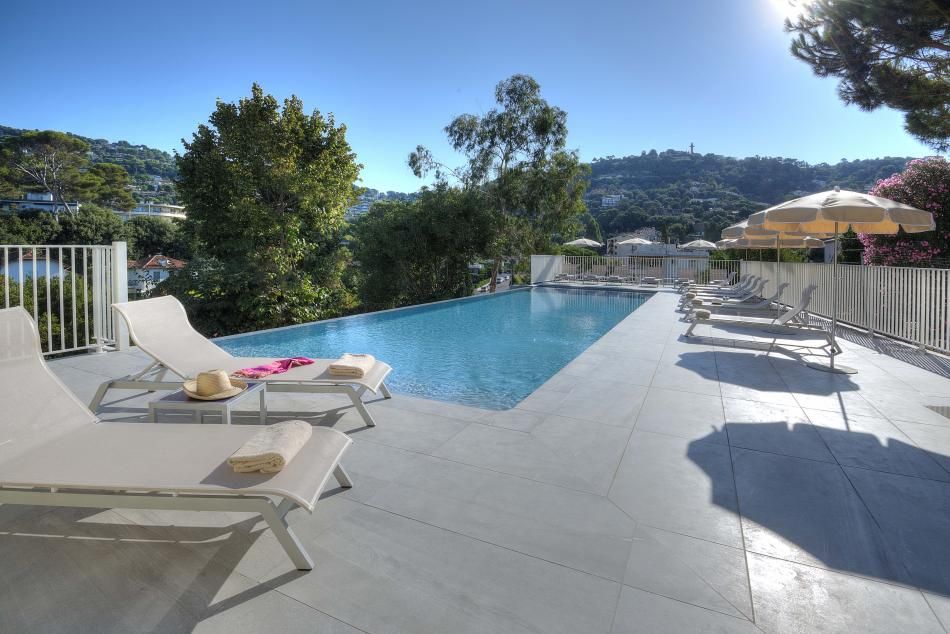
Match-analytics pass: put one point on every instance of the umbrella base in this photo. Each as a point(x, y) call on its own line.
point(827, 367)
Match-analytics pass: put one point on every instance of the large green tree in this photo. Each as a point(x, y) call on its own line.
point(265, 187)
point(515, 154)
point(893, 53)
point(153, 235)
point(110, 187)
point(419, 251)
point(51, 161)
point(92, 224)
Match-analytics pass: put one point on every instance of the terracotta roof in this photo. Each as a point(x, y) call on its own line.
point(157, 262)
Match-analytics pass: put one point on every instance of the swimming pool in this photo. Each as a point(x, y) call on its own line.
point(489, 352)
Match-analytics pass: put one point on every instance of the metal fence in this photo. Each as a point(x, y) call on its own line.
point(910, 304)
point(550, 268)
point(69, 291)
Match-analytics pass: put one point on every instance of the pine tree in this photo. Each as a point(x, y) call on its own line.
point(893, 53)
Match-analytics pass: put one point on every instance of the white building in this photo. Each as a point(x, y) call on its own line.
point(146, 273)
point(35, 201)
point(611, 201)
point(162, 210)
point(366, 201)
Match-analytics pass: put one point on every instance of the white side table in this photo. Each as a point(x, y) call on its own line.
point(179, 401)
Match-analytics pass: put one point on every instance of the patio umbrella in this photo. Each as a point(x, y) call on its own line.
point(583, 242)
point(735, 231)
point(699, 244)
point(831, 212)
point(635, 241)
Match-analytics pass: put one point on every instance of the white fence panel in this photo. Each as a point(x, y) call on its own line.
point(69, 291)
point(548, 268)
point(906, 303)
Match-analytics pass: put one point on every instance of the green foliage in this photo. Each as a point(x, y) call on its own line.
point(893, 53)
point(48, 161)
point(266, 188)
point(153, 235)
point(62, 330)
point(136, 159)
point(112, 188)
point(515, 155)
point(92, 224)
point(663, 188)
point(570, 249)
point(29, 228)
point(925, 184)
point(419, 251)
point(591, 228)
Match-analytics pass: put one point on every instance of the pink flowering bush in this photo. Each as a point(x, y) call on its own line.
point(925, 184)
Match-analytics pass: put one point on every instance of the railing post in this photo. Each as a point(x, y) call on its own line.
point(120, 292)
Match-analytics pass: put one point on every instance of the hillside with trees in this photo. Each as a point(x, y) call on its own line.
point(682, 193)
point(151, 172)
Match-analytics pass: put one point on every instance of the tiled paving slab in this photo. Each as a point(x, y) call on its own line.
point(655, 484)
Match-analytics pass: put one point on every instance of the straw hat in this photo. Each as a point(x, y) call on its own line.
point(213, 385)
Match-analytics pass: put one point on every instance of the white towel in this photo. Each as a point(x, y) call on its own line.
point(354, 365)
point(270, 449)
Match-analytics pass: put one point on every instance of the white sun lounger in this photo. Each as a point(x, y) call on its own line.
point(160, 328)
point(750, 284)
point(739, 283)
point(750, 293)
point(791, 321)
point(55, 452)
point(745, 306)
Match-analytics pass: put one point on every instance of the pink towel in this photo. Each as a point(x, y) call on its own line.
point(274, 367)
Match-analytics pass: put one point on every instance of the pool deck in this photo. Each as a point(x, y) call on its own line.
point(654, 484)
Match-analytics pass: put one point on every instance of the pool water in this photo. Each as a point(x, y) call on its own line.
point(488, 352)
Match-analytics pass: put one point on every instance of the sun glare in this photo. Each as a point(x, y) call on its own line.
point(790, 9)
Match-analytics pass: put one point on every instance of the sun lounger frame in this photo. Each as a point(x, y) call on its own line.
point(152, 378)
point(274, 514)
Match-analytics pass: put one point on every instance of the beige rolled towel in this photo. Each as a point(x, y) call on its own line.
point(270, 449)
point(353, 365)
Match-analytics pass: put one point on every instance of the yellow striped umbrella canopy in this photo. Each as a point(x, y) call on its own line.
point(782, 242)
point(836, 211)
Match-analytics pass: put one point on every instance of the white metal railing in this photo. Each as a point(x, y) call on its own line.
point(910, 304)
point(549, 268)
point(69, 290)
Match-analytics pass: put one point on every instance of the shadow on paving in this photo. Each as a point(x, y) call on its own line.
point(876, 509)
point(97, 567)
point(739, 369)
point(935, 363)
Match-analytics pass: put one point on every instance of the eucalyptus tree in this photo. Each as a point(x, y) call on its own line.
point(516, 155)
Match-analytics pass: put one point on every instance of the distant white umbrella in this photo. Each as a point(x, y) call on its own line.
point(635, 241)
point(831, 212)
point(583, 242)
point(699, 244)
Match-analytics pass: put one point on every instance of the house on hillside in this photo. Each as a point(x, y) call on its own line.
point(162, 210)
point(35, 201)
point(146, 273)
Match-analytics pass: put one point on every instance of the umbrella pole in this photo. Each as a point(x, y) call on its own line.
point(778, 264)
point(834, 301)
point(834, 321)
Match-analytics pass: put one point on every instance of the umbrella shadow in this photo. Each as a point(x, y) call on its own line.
point(843, 499)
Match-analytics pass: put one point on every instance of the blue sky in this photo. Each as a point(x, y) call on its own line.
point(632, 75)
